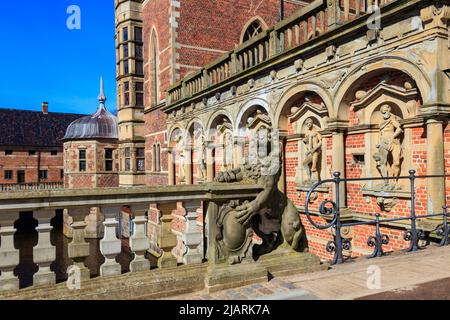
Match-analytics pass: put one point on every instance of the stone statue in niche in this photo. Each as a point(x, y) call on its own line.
point(181, 159)
point(313, 142)
point(272, 216)
point(389, 155)
point(227, 151)
point(202, 157)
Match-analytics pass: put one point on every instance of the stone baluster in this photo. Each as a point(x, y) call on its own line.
point(167, 240)
point(139, 242)
point(192, 238)
point(79, 248)
point(9, 255)
point(44, 253)
point(110, 245)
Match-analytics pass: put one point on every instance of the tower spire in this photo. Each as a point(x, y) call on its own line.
point(102, 97)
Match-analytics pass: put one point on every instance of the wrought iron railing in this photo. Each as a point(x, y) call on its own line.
point(330, 210)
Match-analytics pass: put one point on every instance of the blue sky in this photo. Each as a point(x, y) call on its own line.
point(42, 60)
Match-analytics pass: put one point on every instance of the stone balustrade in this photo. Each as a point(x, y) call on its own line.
point(42, 205)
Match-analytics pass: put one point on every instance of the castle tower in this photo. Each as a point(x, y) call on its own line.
point(130, 92)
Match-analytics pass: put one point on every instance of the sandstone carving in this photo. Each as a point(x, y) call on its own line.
point(313, 142)
point(272, 216)
point(389, 155)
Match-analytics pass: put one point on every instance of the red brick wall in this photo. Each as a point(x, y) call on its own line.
point(31, 164)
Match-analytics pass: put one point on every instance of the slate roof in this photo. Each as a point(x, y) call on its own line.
point(34, 128)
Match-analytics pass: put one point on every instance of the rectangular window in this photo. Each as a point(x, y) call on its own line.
point(127, 159)
point(139, 67)
point(43, 174)
point(125, 34)
point(126, 68)
point(8, 174)
point(139, 86)
point(139, 99)
point(109, 160)
point(8, 152)
point(32, 152)
point(54, 153)
point(140, 159)
point(138, 34)
point(139, 52)
point(61, 173)
point(82, 160)
point(126, 88)
point(125, 51)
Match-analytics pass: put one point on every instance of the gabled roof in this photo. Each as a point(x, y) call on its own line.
point(33, 128)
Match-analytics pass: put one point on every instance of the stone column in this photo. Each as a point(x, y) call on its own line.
point(8, 253)
point(238, 151)
point(110, 245)
point(79, 248)
point(188, 164)
point(338, 158)
point(139, 242)
point(435, 166)
point(44, 253)
point(171, 168)
point(210, 162)
point(192, 238)
point(167, 240)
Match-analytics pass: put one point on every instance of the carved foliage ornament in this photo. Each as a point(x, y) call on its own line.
point(433, 16)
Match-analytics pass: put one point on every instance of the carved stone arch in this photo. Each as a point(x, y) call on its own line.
point(294, 91)
point(214, 118)
point(378, 64)
point(173, 133)
point(243, 110)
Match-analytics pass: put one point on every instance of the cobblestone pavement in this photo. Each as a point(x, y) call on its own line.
point(416, 274)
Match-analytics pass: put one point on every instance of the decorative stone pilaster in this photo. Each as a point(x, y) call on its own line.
point(44, 253)
point(167, 240)
point(110, 245)
point(188, 164)
point(338, 159)
point(209, 162)
point(239, 143)
point(9, 255)
point(192, 238)
point(435, 166)
point(79, 248)
point(171, 166)
point(139, 242)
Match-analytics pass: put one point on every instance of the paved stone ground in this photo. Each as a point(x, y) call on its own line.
point(419, 275)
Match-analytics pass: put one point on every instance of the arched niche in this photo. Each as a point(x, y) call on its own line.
point(198, 143)
point(220, 137)
point(361, 105)
point(292, 117)
point(254, 135)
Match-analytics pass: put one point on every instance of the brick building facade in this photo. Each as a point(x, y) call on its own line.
point(31, 150)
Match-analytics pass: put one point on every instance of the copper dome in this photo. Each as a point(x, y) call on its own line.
point(100, 125)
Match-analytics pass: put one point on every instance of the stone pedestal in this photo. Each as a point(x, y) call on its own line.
point(225, 276)
point(110, 245)
point(167, 240)
point(44, 253)
point(139, 242)
point(284, 262)
point(9, 255)
point(79, 249)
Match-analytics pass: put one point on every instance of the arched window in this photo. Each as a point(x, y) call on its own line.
point(154, 70)
point(252, 30)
